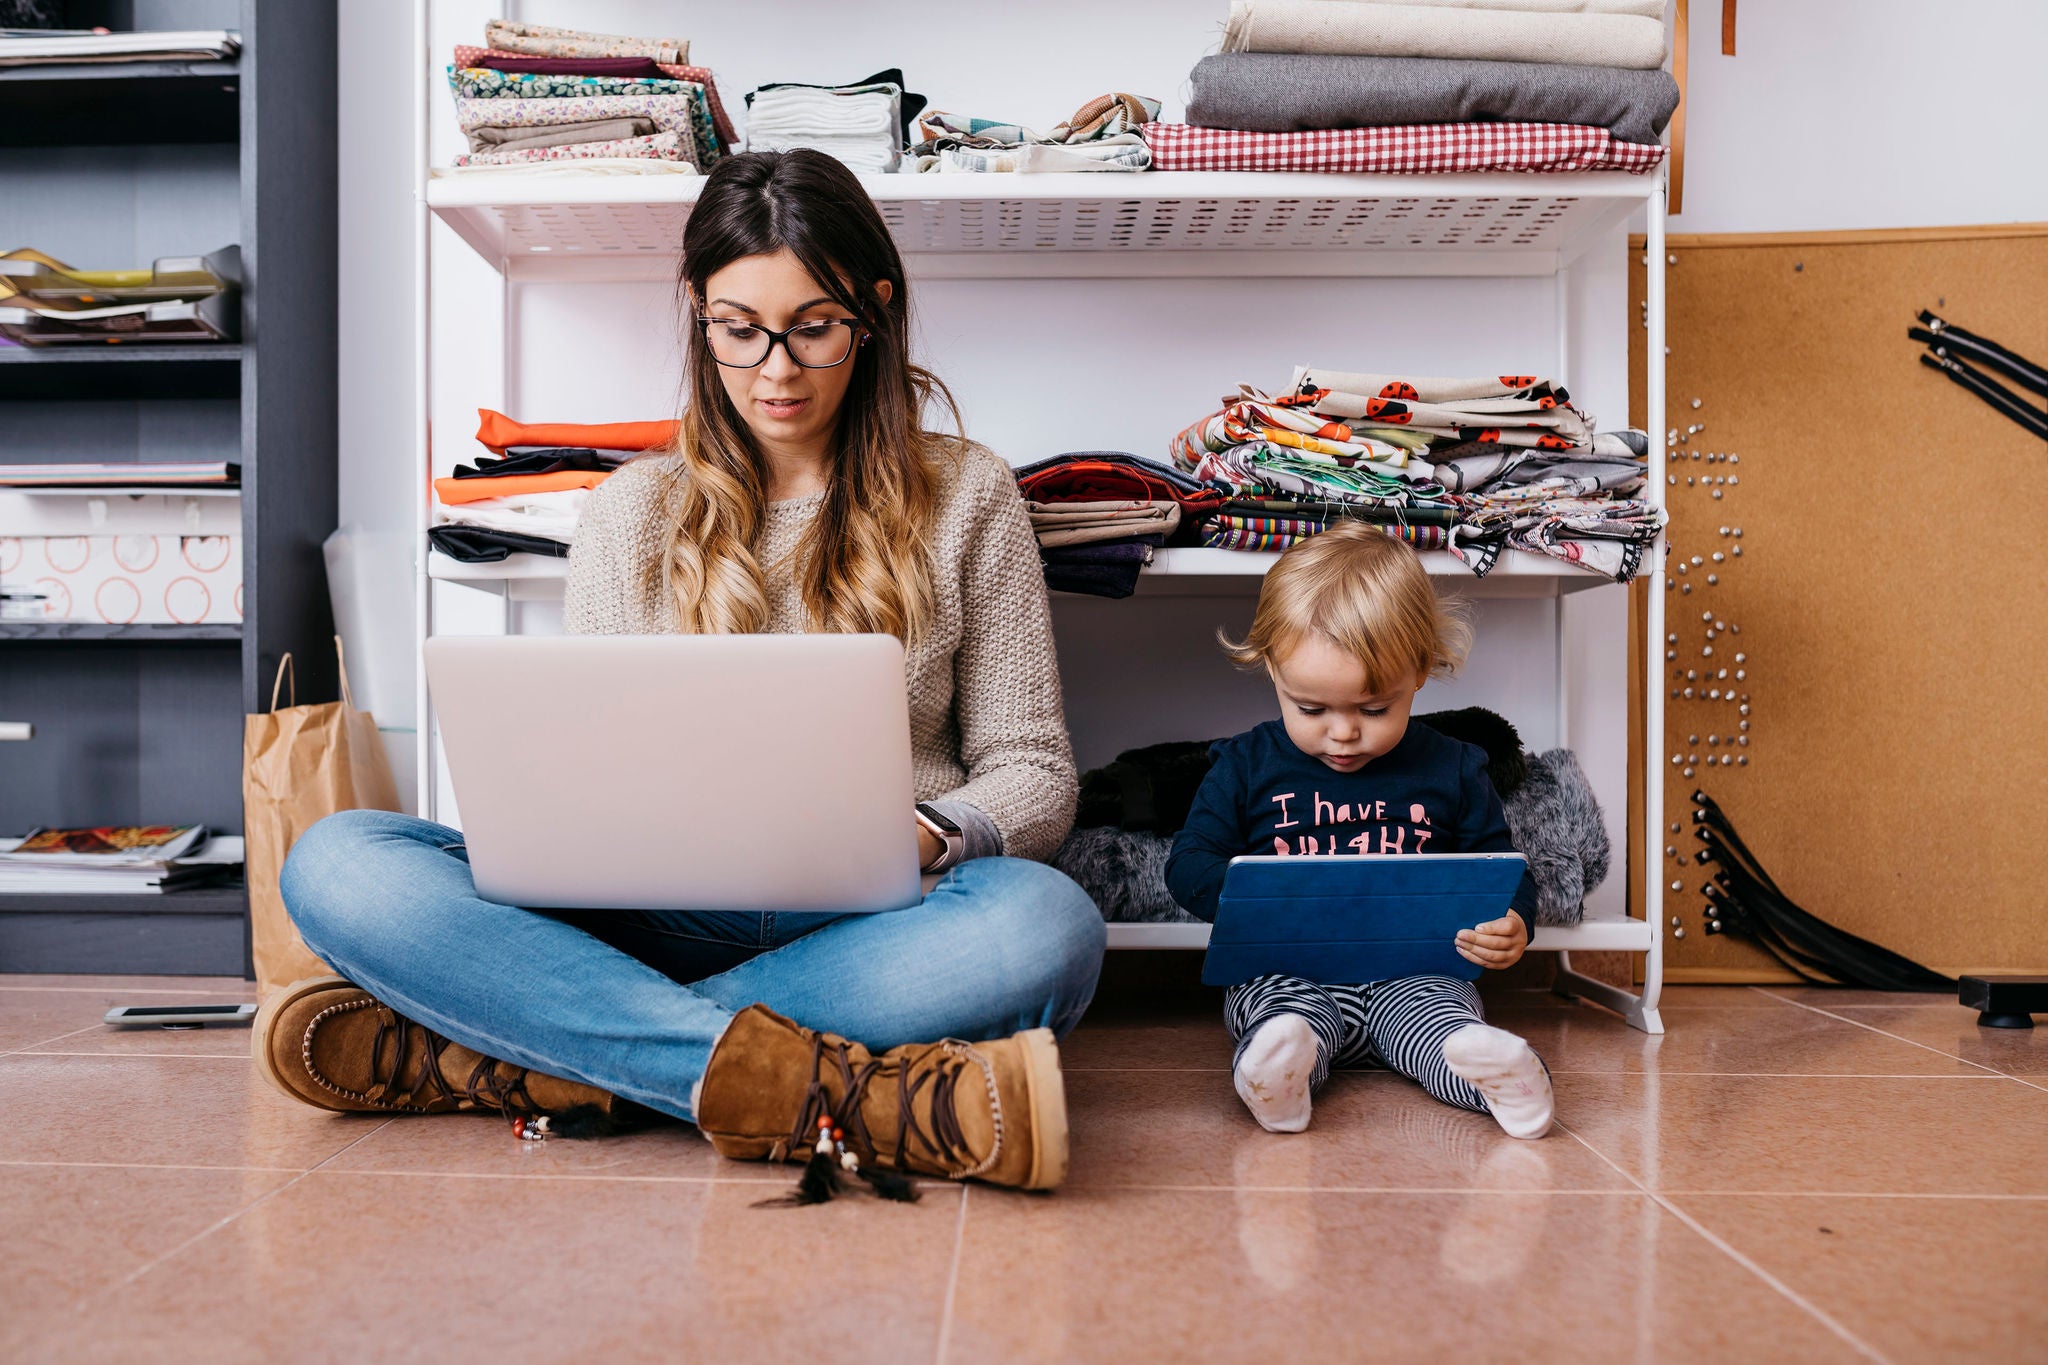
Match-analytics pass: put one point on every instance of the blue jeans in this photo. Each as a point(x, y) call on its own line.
point(632, 1001)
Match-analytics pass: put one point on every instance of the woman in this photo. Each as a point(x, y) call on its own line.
point(803, 494)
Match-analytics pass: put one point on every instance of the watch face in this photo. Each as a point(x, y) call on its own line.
point(940, 822)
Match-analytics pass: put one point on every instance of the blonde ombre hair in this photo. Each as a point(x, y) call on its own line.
point(864, 564)
point(1366, 593)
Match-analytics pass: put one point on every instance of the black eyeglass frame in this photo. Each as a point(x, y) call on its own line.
point(781, 339)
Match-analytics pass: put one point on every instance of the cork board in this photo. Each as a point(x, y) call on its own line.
point(1887, 612)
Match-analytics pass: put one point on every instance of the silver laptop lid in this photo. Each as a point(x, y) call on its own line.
point(681, 772)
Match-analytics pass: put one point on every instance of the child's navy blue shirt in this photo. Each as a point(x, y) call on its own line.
point(1427, 794)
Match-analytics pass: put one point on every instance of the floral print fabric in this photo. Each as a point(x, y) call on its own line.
point(686, 114)
point(654, 147)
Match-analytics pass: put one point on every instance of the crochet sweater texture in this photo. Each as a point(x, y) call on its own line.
point(987, 726)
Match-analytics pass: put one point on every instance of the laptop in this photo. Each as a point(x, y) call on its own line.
point(1350, 919)
point(681, 772)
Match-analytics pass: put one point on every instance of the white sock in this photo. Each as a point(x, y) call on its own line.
point(1273, 1073)
point(1507, 1074)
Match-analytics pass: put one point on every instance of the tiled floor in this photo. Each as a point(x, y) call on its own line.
point(1785, 1175)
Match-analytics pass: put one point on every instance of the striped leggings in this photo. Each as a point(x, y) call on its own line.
point(1399, 1024)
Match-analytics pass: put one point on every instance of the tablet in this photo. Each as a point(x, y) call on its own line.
point(1353, 918)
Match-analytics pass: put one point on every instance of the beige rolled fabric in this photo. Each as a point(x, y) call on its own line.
point(1372, 28)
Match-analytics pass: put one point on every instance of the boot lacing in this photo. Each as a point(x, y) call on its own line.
point(946, 1142)
point(485, 1087)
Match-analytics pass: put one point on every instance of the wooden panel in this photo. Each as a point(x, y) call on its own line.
point(1891, 643)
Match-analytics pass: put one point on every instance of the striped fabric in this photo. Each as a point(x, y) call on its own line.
point(1400, 1025)
point(1277, 533)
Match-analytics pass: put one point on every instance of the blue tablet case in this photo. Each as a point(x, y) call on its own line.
point(1350, 919)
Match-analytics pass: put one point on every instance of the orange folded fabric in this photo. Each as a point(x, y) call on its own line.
point(498, 431)
point(454, 491)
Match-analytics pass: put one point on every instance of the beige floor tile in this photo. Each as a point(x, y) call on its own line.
point(1834, 997)
point(179, 1111)
point(1120, 1275)
point(1715, 997)
point(1836, 1134)
point(398, 1268)
point(75, 1230)
point(1197, 1045)
point(1720, 1041)
point(1954, 1030)
point(1370, 1131)
point(480, 1144)
point(38, 1018)
point(1933, 1280)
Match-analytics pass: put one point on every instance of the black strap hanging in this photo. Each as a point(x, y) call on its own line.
point(1745, 902)
point(1950, 349)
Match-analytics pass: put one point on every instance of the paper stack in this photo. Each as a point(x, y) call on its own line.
point(139, 860)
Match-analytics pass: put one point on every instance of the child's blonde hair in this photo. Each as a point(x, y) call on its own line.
point(1367, 594)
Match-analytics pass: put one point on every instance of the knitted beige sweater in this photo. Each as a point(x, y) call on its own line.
point(987, 727)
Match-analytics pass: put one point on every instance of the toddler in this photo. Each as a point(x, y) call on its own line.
point(1349, 629)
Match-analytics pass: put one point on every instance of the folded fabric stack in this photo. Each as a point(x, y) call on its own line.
point(1102, 135)
point(1473, 466)
point(44, 302)
point(1099, 515)
point(1428, 86)
point(863, 124)
point(527, 501)
point(534, 95)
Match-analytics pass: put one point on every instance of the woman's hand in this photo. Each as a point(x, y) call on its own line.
point(1497, 943)
point(930, 848)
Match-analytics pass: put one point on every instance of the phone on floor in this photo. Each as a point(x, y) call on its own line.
point(178, 1016)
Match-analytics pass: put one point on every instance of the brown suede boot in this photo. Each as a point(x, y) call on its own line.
point(330, 1044)
point(983, 1111)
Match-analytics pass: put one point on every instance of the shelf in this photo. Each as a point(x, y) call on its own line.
point(1607, 933)
point(1108, 225)
point(134, 634)
point(1173, 572)
point(120, 104)
point(514, 568)
point(209, 900)
point(135, 370)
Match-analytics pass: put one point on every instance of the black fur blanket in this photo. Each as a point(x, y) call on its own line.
point(1130, 809)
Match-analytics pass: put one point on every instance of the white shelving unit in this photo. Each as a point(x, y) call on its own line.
point(559, 230)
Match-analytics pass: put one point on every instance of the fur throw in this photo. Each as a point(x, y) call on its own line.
point(1118, 855)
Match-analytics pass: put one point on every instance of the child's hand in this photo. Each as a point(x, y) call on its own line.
point(1498, 943)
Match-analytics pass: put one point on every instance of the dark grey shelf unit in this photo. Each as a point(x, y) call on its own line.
point(137, 724)
point(187, 933)
point(68, 373)
point(90, 630)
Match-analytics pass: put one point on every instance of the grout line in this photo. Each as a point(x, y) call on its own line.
point(1720, 1244)
point(261, 1199)
point(144, 1165)
point(952, 1283)
point(1828, 1014)
point(51, 1052)
point(139, 990)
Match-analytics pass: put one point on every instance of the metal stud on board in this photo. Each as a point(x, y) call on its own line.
point(1685, 587)
point(1738, 549)
point(1688, 772)
point(1741, 673)
point(1718, 556)
point(1717, 492)
point(1742, 739)
point(1712, 579)
point(1679, 932)
point(1695, 402)
point(1741, 658)
point(1742, 761)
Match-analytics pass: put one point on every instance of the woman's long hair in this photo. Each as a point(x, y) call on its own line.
point(864, 565)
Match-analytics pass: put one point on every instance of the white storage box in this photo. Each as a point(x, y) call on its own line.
point(172, 558)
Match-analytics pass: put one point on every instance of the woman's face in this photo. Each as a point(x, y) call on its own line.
point(787, 406)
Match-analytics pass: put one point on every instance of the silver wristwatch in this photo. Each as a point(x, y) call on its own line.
point(946, 832)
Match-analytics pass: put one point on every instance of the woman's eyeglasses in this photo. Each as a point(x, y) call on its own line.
point(813, 345)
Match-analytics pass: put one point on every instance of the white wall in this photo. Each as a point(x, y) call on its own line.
point(1841, 114)
point(1822, 121)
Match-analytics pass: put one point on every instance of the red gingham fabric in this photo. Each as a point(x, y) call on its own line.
point(1416, 149)
point(466, 55)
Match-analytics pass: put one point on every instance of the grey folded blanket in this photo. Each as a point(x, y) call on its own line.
point(1287, 92)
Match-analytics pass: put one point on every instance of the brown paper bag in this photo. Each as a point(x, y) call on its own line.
point(300, 765)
